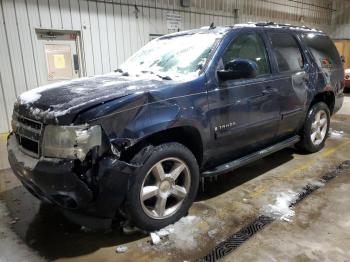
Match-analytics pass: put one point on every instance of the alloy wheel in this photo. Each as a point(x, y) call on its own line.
point(319, 127)
point(165, 187)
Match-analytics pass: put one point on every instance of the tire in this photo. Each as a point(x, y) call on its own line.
point(145, 199)
point(310, 142)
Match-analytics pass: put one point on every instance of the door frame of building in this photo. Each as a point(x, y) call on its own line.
point(79, 44)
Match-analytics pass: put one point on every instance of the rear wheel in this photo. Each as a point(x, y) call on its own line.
point(164, 188)
point(316, 127)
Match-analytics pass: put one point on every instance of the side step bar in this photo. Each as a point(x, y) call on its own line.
point(225, 168)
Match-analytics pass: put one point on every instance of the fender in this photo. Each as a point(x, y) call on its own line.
point(132, 118)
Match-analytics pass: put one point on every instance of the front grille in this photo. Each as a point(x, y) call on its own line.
point(28, 133)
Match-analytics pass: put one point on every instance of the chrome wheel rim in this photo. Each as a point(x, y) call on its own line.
point(165, 187)
point(319, 127)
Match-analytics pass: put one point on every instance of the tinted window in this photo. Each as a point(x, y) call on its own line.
point(249, 46)
point(323, 50)
point(287, 52)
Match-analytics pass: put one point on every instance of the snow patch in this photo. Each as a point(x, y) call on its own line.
point(281, 208)
point(318, 183)
point(29, 97)
point(155, 238)
point(121, 249)
point(34, 95)
point(335, 133)
point(181, 235)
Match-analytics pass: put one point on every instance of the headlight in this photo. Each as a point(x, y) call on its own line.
point(70, 141)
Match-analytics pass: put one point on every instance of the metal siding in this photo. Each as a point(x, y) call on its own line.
point(111, 33)
point(75, 14)
point(44, 13)
point(8, 95)
point(95, 36)
point(65, 14)
point(341, 20)
point(55, 12)
point(25, 42)
point(119, 33)
point(4, 121)
point(88, 54)
point(112, 30)
point(103, 36)
point(13, 41)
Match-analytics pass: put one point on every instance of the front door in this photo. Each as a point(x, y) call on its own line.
point(244, 113)
point(58, 56)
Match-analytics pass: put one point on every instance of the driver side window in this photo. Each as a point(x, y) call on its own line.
point(249, 46)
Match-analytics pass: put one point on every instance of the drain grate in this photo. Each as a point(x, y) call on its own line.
point(234, 241)
point(237, 239)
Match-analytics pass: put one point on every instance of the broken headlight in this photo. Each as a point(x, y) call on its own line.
point(72, 142)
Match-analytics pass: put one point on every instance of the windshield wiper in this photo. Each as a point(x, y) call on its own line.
point(118, 70)
point(165, 77)
point(152, 73)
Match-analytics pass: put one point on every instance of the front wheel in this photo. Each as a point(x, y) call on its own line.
point(164, 188)
point(316, 127)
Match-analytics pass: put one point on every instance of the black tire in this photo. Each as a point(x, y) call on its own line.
point(134, 206)
point(306, 144)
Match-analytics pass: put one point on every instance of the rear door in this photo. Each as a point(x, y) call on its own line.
point(292, 72)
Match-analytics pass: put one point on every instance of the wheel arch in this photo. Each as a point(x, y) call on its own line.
point(327, 97)
point(188, 136)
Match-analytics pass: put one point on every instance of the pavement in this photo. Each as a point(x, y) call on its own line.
point(316, 229)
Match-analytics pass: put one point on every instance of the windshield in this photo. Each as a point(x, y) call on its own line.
point(172, 57)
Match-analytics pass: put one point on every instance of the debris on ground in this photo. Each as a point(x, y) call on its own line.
point(281, 209)
point(165, 231)
point(85, 229)
point(121, 249)
point(155, 238)
point(130, 230)
point(182, 235)
point(335, 133)
point(212, 233)
point(14, 221)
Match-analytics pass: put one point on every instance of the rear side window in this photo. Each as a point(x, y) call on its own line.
point(323, 50)
point(287, 52)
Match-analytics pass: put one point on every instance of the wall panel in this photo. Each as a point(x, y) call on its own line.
point(111, 30)
point(341, 20)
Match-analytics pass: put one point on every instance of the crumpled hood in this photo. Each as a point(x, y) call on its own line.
point(66, 99)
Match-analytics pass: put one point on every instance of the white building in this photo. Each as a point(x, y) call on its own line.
point(42, 41)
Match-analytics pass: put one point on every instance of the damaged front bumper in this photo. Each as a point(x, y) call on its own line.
point(56, 181)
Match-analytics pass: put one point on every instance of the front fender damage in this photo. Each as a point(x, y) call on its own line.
point(114, 179)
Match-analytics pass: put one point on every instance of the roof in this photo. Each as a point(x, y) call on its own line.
point(221, 30)
point(278, 26)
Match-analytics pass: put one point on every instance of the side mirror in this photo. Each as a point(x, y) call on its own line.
point(238, 69)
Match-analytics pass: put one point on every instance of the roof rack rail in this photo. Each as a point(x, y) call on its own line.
point(282, 25)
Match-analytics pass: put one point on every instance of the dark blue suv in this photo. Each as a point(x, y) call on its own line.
point(186, 106)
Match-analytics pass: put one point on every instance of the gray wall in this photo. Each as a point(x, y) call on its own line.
point(111, 31)
point(341, 20)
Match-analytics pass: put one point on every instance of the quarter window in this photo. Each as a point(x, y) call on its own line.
point(287, 52)
point(323, 49)
point(248, 46)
